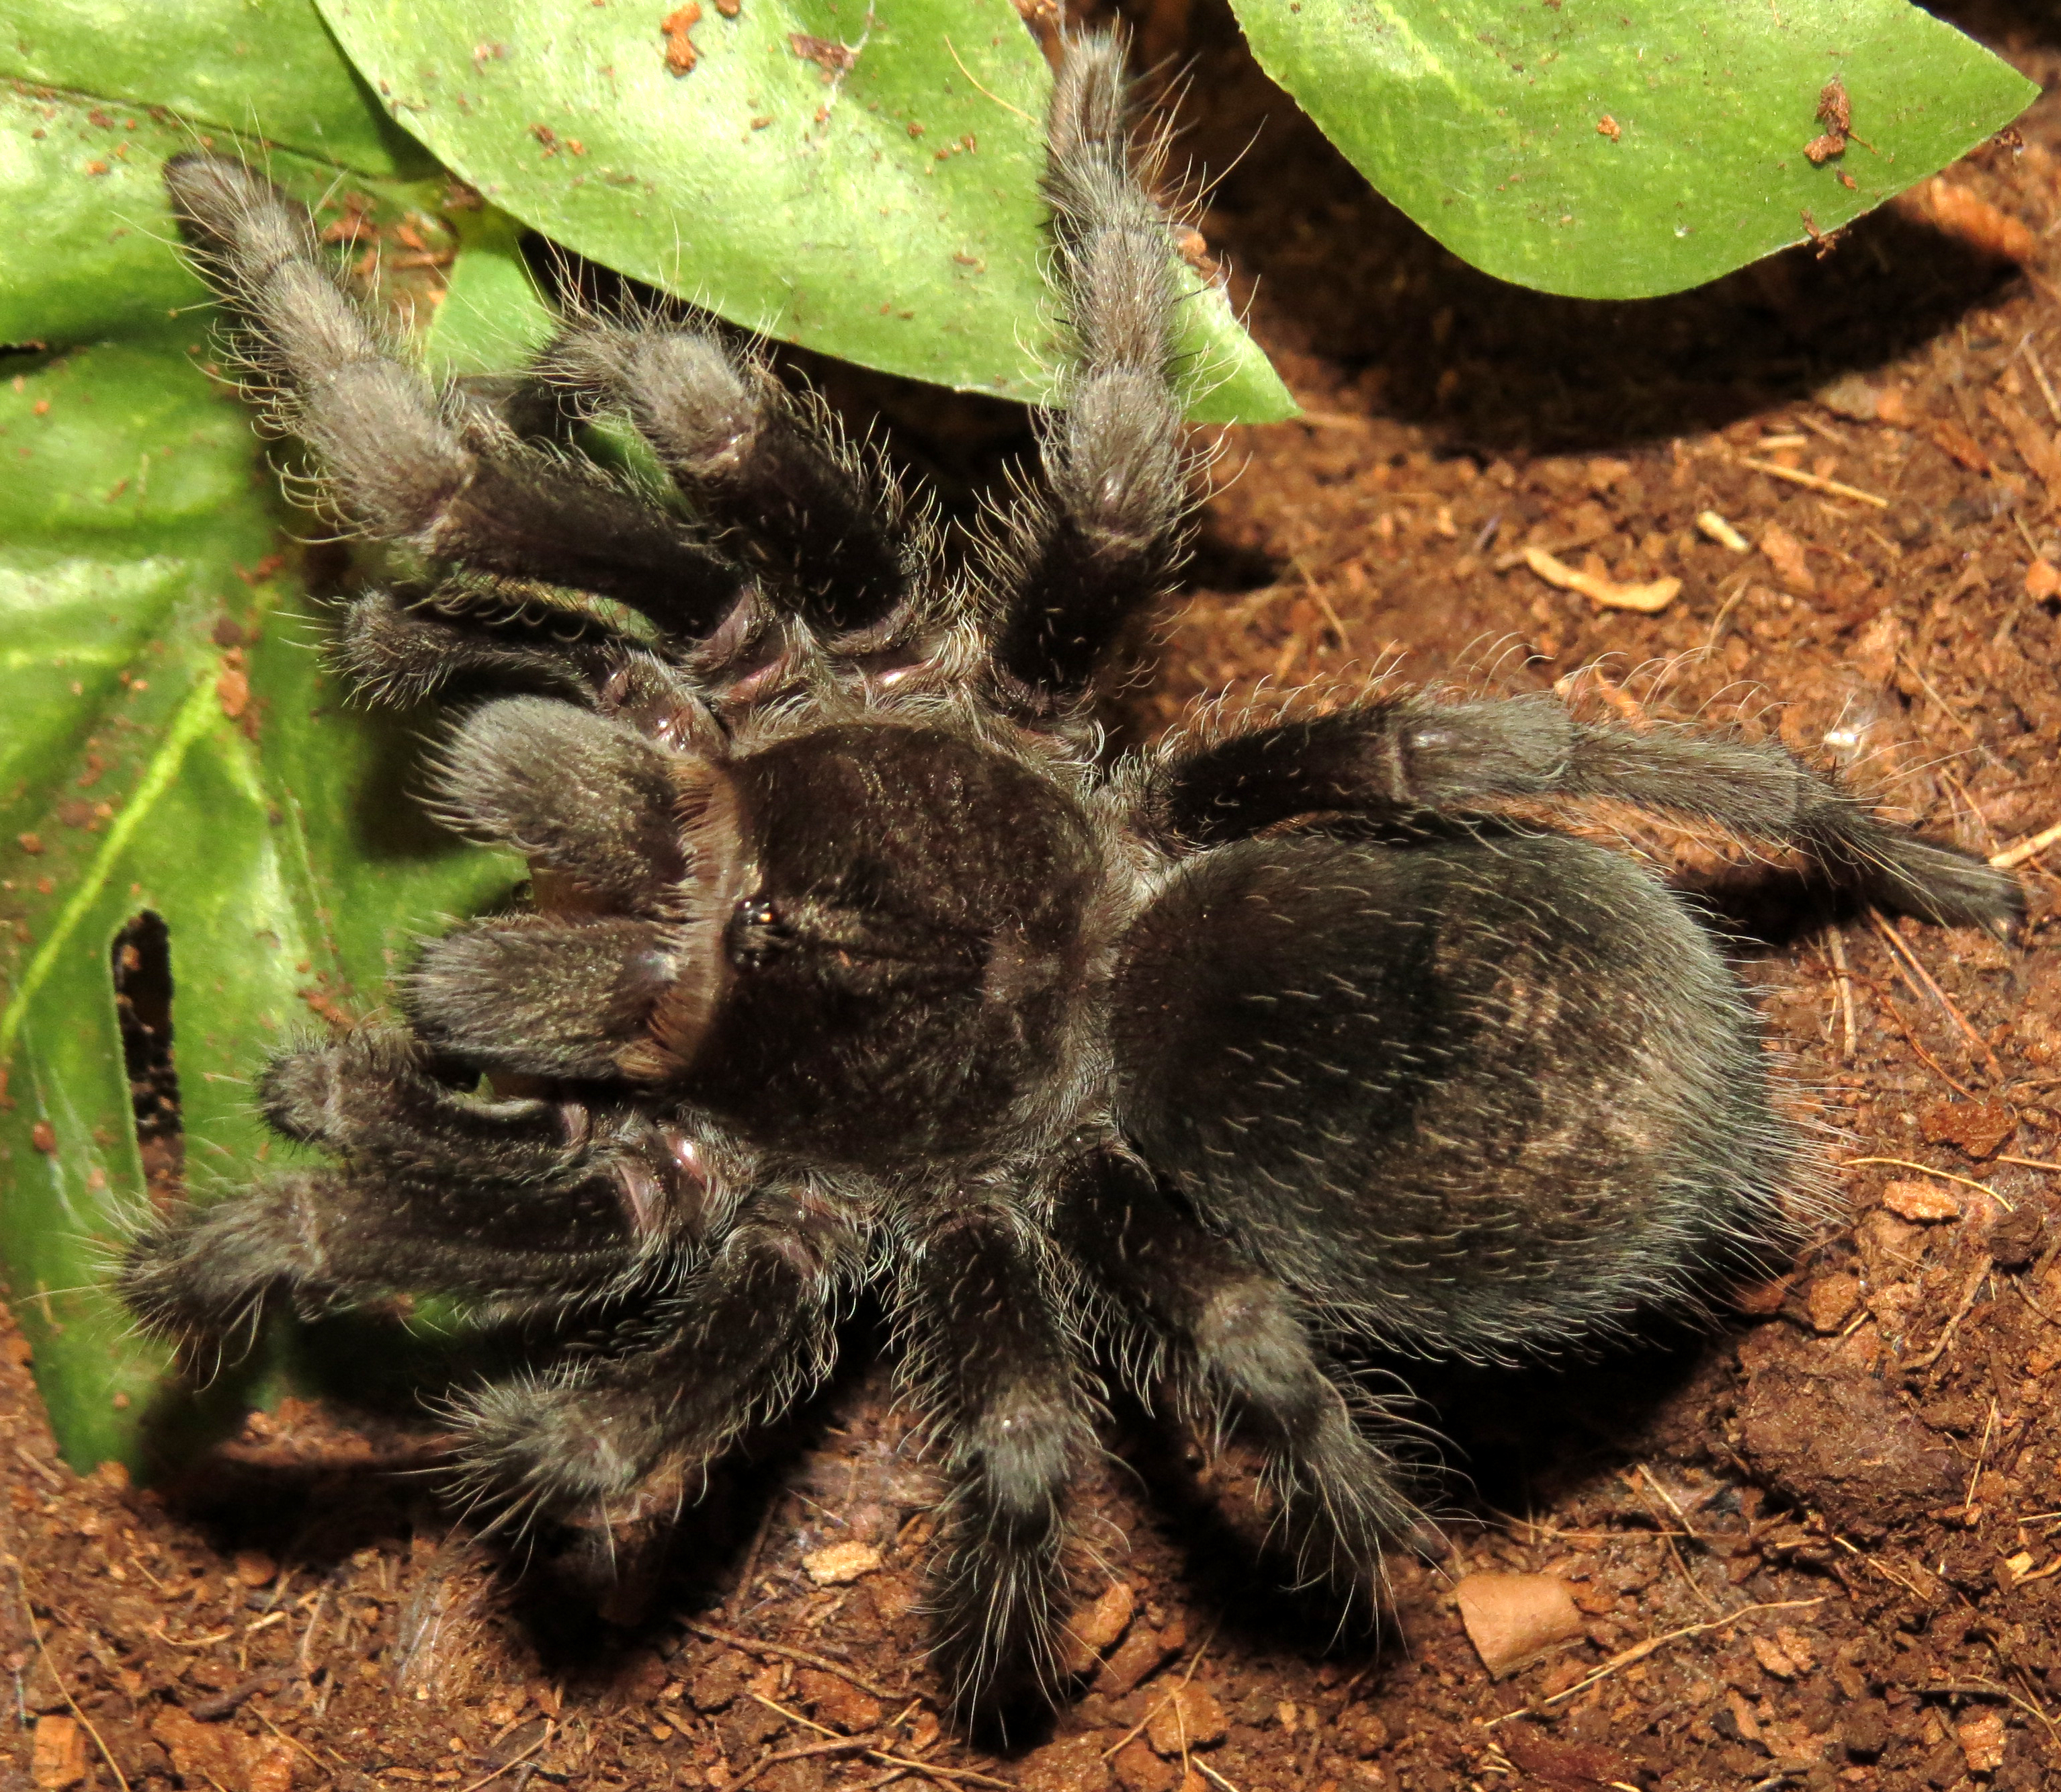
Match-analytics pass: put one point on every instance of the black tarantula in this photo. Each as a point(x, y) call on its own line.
point(853, 962)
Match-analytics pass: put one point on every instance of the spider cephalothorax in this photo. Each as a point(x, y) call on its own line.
point(854, 962)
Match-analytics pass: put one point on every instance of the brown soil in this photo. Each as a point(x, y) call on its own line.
point(1819, 1549)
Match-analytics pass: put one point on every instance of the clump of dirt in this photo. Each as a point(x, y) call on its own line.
point(1822, 1548)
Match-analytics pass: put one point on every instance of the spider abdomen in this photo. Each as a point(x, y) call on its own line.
point(1473, 1091)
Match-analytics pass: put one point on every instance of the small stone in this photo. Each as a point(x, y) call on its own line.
point(840, 1564)
point(2016, 1239)
point(1512, 1619)
point(1139, 1769)
point(58, 1759)
point(254, 1568)
point(2042, 580)
point(1190, 1718)
point(1925, 1202)
point(1830, 1300)
point(1851, 395)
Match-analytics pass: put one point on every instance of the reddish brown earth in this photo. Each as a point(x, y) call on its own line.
point(1820, 1549)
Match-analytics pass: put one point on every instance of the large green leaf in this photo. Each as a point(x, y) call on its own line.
point(887, 214)
point(264, 69)
point(1614, 148)
point(174, 745)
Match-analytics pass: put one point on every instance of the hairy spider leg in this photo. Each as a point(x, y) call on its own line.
point(590, 798)
point(1181, 1304)
point(1409, 755)
point(1068, 565)
point(375, 1099)
point(398, 650)
point(565, 996)
point(977, 1310)
point(439, 473)
point(752, 1330)
point(823, 522)
point(326, 1240)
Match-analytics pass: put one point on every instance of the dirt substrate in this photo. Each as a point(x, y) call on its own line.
point(1822, 1548)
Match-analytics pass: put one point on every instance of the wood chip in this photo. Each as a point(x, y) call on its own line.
point(1829, 1301)
point(58, 1759)
point(1811, 482)
point(1513, 1619)
point(1922, 1201)
point(2015, 855)
point(1101, 1624)
point(1722, 532)
point(1785, 554)
point(1980, 1734)
point(840, 1564)
point(1952, 208)
point(2036, 447)
point(1600, 590)
point(1980, 1129)
point(1190, 1718)
point(1772, 1656)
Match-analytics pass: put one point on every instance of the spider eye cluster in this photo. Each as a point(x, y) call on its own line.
point(755, 934)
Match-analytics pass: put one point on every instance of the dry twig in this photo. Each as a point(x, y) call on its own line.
point(1638, 1651)
point(756, 1646)
point(1812, 481)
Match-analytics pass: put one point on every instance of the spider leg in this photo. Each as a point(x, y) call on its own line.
point(1069, 567)
point(396, 651)
point(324, 1240)
point(590, 798)
point(824, 525)
point(374, 1100)
point(748, 1333)
point(519, 1205)
point(1234, 1342)
point(1407, 756)
point(582, 998)
point(988, 1354)
point(443, 474)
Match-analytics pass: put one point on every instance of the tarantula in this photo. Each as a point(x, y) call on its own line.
point(854, 961)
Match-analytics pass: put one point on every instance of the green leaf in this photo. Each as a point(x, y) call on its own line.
point(265, 69)
point(887, 213)
point(491, 317)
point(176, 746)
point(1616, 148)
